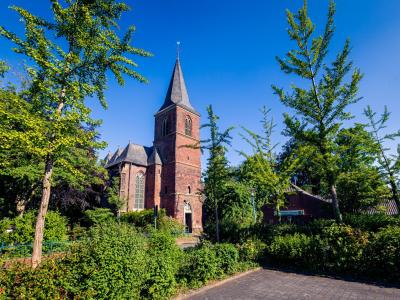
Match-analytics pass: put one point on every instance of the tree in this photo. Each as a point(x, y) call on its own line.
point(389, 165)
point(261, 169)
point(321, 109)
point(72, 56)
point(113, 196)
point(359, 183)
point(20, 170)
point(216, 175)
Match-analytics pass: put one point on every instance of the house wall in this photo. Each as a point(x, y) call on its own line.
point(312, 206)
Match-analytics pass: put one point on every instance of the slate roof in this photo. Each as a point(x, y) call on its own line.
point(177, 92)
point(136, 154)
point(389, 206)
point(114, 157)
point(154, 157)
point(294, 188)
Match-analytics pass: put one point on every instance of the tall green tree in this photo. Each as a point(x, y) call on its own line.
point(389, 165)
point(321, 108)
point(72, 52)
point(20, 169)
point(216, 174)
point(359, 183)
point(261, 170)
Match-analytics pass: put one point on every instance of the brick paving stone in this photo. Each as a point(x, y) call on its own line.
point(277, 285)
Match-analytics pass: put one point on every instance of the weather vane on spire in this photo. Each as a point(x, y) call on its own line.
point(178, 48)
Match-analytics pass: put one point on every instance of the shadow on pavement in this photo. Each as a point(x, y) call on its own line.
point(345, 277)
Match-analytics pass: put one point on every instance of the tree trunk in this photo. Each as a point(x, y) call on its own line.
point(44, 204)
point(395, 193)
point(216, 218)
point(335, 204)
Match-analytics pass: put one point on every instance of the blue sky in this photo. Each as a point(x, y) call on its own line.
point(228, 51)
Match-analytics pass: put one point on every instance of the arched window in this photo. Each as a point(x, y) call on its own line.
point(189, 189)
point(139, 191)
point(188, 126)
point(165, 127)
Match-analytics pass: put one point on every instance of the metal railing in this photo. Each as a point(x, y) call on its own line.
point(25, 250)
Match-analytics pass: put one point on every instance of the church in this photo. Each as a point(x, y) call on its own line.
point(166, 175)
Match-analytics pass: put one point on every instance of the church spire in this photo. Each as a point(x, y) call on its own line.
point(177, 93)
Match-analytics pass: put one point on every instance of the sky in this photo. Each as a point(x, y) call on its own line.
point(228, 50)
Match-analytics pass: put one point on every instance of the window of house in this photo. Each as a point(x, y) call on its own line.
point(189, 189)
point(139, 191)
point(188, 126)
point(165, 127)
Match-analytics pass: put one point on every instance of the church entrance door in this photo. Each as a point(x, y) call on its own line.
point(188, 218)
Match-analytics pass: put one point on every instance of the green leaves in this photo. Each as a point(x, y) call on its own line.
point(319, 109)
point(389, 165)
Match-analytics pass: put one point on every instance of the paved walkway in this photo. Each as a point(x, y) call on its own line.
point(277, 285)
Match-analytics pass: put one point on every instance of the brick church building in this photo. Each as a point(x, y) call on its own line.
point(167, 174)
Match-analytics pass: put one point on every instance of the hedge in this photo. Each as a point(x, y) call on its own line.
point(115, 261)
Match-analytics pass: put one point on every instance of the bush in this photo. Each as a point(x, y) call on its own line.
point(317, 226)
point(110, 263)
point(340, 248)
point(291, 249)
point(51, 280)
point(372, 223)
point(200, 264)
point(23, 228)
point(164, 260)
point(268, 232)
point(252, 250)
point(170, 225)
point(228, 258)
point(141, 218)
point(381, 257)
point(98, 216)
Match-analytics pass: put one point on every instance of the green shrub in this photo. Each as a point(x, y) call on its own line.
point(23, 228)
point(164, 260)
point(200, 265)
point(51, 280)
point(252, 250)
point(372, 223)
point(317, 226)
point(340, 247)
point(267, 232)
point(381, 257)
point(110, 263)
point(98, 216)
point(228, 258)
point(141, 218)
point(291, 249)
point(170, 225)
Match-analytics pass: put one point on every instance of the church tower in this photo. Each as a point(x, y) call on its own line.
point(177, 127)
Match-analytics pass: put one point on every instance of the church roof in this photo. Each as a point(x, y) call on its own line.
point(113, 158)
point(177, 92)
point(154, 158)
point(107, 158)
point(136, 154)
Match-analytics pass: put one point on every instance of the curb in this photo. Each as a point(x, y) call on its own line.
point(214, 284)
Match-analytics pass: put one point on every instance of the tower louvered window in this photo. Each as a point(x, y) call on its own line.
point(165, 127)
point(139, 191)
point(188, 126)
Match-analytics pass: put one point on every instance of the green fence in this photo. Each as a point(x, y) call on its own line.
point(25, 250)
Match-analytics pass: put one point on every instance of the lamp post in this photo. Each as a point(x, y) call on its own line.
point(253, 204)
